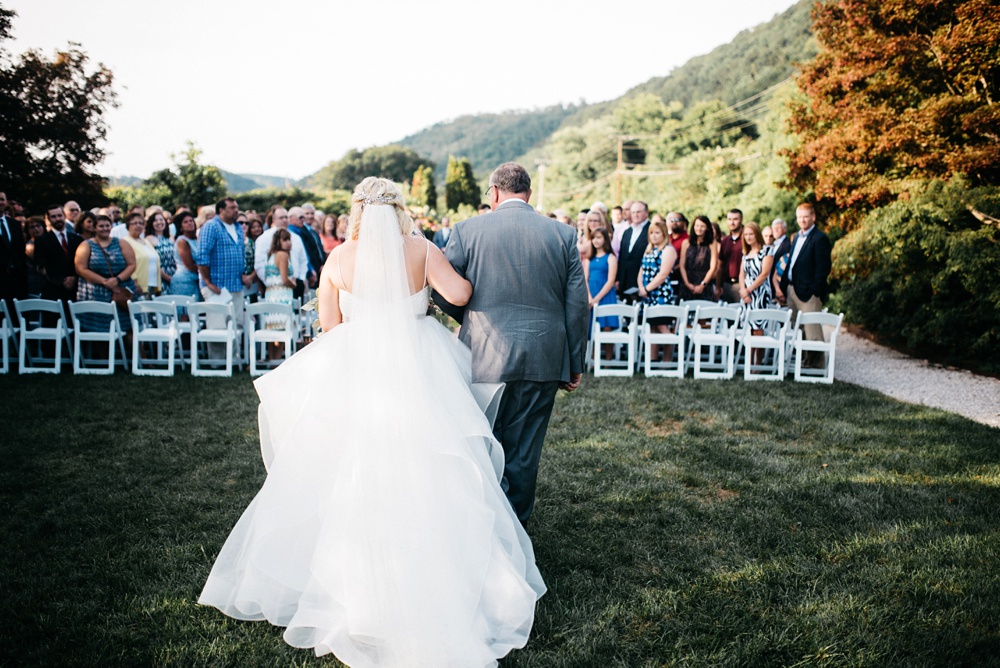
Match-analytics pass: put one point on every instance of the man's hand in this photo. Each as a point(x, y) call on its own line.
point(214, 288)
point(248, 279)
point(574, 382)
point(69, 282)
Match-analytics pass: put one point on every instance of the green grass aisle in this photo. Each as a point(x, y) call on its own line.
point(679, 522)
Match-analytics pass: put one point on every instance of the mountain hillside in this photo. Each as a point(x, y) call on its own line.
point(486, 139)
point(754, 61)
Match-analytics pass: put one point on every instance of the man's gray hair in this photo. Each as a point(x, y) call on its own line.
point(511, 177)
point(779, 222)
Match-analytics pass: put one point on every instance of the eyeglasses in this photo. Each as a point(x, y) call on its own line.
point(487, 193)
point(673, 220)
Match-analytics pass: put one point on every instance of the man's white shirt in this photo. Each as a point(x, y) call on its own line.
point(299, 262)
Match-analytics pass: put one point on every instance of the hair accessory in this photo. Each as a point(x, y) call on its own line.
point(378, 199)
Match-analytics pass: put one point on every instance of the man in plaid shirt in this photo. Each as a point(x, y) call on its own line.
point(221, 257)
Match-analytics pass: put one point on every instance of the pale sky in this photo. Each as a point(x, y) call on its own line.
point(284, 86)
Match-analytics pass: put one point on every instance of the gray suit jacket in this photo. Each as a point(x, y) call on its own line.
point(527, 319)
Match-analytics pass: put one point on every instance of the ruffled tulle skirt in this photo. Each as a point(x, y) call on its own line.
point(381, 533)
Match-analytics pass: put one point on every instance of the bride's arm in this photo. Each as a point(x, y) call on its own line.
point(328, 296)
point(445, 280)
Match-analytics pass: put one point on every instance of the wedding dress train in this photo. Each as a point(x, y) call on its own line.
point(381, 533)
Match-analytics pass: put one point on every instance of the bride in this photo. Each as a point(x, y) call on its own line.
point(381, 533)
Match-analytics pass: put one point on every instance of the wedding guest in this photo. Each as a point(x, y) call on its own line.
point(54, 253)
point(653, 280)
point(71, 210)
point(768, 236)
point(755, 286)
point(620, 226)
point(296, 225)
point(599, 270)
point(205, 214)
point(780, 249)
point(13, 259)
point(443, 233)
point(483, 208)
point(277, 218)
point(329, 234)
point(156, 238)
point(147, 261)
point(698, 260)
point(34, 227)
point(805, 279)
point(309, 227)
point(633, 243)
point(278, 284)
point(104, 263)
point(677, 223)
point(185, 279)
point(597, 219)
point(253, 228)
point(84, 225)
point(342, 222)
point(730, 259)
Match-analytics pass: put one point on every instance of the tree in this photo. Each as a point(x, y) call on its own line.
point(393, 162)
point(51, 124)
point(423, 192)
point(460, 185)
point(189, 183)
point(901, 90)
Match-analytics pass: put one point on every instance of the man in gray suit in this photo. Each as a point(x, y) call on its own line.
point(526, 322)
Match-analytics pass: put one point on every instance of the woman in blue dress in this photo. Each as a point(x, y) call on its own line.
point(101, 263)
point(654, 280)
point(185, 278)
point(601, 268)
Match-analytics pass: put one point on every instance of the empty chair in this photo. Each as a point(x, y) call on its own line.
point(801, 345)
point(112, 336)
point(41, 320)
point(8, 333)
point(719, 338)
point(269, 323)
point(773, 324)
point(154, 323)
point(649, 338)
point(212, 323)
point(692, 306)
point(625, 335)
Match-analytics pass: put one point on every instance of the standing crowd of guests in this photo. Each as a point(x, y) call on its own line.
point(628, 255)
point(632, 256)
point(69, 254)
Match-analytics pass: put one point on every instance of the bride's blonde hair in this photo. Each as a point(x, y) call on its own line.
point(374, 191)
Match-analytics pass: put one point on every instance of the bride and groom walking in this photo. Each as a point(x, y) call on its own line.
point(383, 534)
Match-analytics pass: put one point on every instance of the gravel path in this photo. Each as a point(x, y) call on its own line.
point(870, 365)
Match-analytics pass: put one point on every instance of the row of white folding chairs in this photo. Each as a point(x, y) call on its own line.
point(156, 324)
point(707, 337)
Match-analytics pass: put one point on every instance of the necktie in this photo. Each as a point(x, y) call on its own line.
point(3, 228)
point(62, 240)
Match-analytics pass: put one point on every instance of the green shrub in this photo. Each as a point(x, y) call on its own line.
point(924, 273)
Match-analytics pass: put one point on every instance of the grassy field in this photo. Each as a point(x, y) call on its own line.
point(679, 523)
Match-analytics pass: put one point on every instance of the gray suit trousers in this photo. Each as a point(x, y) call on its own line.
point(522, 420)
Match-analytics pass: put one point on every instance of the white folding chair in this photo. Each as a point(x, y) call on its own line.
point(625, 335)
point(154, 323)
point(31, 314)
point(772, 338)
point(677, 338)
point(202, 336)
point(259, 337)
point(719, 337)
point(9, 330)
point(693, 305)
point(113, 337)
point(801, 345)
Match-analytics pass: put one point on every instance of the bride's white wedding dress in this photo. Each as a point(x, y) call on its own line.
point(381, 533)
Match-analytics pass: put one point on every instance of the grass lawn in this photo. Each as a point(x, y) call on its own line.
point(687, 522)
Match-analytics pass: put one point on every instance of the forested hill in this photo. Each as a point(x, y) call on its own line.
point(487, 139)
point(754, 61)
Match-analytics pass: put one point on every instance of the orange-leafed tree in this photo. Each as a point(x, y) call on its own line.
point(901, 91)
